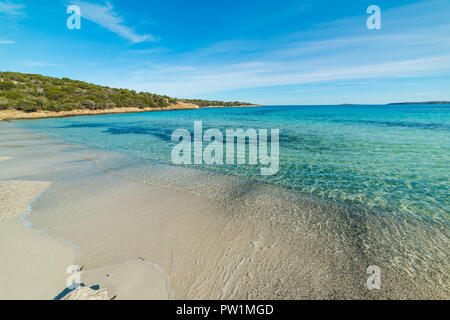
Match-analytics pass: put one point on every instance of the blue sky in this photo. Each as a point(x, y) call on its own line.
point(267, 52)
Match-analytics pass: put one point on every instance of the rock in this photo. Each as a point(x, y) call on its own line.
point(86, 293)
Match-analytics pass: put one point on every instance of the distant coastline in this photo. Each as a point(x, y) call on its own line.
point(33, 96)
point(12, 114)
point(428, 102)
point(399, 103)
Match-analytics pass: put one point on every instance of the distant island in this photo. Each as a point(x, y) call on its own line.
point(428, 102)
point(24, 96)
point(399, 103)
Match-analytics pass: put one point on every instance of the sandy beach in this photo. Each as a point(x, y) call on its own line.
point(16, 114)
point(191, 152)
point(6, 115)
point(32, 264)
point(137, 240)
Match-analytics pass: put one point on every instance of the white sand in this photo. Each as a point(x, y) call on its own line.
point(15, 196)
point(190, 247)
point(132, 280)
point(32, 265)
point(4, 158)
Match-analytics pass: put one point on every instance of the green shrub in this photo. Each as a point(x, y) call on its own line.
point(11, 95)
point(32, 91)
point(7, 85)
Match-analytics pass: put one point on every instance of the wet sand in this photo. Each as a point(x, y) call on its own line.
point(141, 241)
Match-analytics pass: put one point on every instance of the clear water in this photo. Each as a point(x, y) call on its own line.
point(360, 185)
point(386, 159)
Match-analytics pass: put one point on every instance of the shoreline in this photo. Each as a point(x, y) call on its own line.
point(35, 262)
point(145, 241)
point(8, 115)
point(150, 242)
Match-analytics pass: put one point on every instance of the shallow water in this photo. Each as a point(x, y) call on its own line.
point(394, 159)
point(370, 181)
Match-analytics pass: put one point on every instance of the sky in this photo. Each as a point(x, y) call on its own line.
point(265, 52)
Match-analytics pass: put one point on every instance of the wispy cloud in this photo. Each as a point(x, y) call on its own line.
point(12, 9)
point(210, 79)
point(105, 16)
point(39, 64)
point(354, 53)
point(7, 42)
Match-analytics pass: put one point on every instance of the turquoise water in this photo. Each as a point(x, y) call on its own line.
point(386, 159)
point(357, 185)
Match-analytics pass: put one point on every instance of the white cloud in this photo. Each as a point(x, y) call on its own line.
point(306, 58)
point(210, 79)
point(39, 64)
point(7, 42)
point(12, 9)
point(105, 16)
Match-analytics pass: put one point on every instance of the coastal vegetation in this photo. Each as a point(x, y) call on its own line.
point(33, 92)
point(209, 103)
